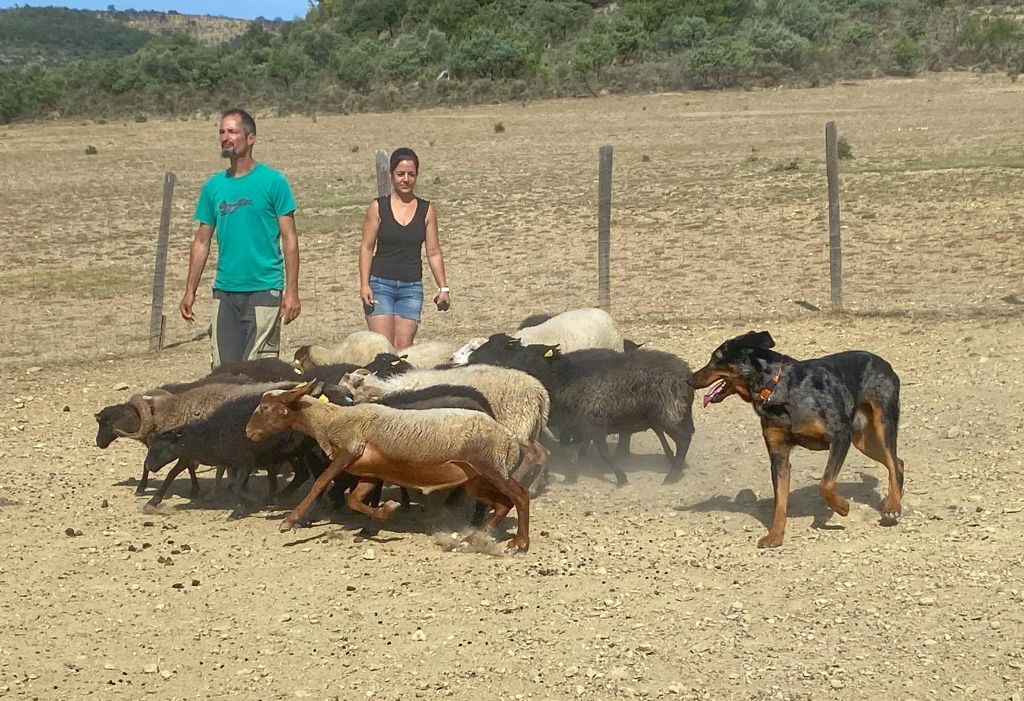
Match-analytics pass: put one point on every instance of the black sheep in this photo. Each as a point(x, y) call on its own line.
point(597, 392)
point(220, 439)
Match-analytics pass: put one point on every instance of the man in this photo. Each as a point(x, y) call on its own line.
point(251, 208)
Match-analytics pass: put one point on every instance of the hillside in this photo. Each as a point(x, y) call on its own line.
point(52, 35)
point(206, 29)
point(357, 55)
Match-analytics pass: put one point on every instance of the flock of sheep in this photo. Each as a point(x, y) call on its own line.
point(477, 418)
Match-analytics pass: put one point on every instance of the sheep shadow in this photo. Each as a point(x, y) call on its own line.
point(805, 501)
point(590, 466)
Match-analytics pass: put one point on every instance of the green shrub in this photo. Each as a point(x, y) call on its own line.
point(630, 40)
point(141, 117)
point(843, 148)
point(857, 33)
point(403, 61)
point(354, 66)
point(720, 63)
point(90, 150)
point(773, 43)
point(686, 33)
point(906, 53)
point(804, 17)
point(499, 128)
point(487, 54)
point(594, 52)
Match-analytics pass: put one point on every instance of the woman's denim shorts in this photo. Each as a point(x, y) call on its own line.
point(397, 298)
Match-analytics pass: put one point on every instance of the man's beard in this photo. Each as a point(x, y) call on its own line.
point(227, 152)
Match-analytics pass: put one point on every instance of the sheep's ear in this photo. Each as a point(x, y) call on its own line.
point(289, 397)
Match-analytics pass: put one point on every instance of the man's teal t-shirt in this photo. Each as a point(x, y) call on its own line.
point(244, 212)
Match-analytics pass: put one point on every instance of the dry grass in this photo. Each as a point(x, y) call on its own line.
point(706, 229)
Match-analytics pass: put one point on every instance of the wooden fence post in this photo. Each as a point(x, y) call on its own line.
point(835, 246)
point(156, 310)
point(383, 173)
point(604, 225)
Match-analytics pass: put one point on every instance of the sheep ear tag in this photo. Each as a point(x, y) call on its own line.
point(396, 362)
point(323, 398)
point(549, 353)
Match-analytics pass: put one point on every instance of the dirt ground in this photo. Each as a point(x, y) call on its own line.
point(719, 226)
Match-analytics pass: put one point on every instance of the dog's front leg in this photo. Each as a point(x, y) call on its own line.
point(779, 449)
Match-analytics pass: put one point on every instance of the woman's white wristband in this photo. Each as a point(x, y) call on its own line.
point(443, 289)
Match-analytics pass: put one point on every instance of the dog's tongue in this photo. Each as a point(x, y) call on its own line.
point(712, 395)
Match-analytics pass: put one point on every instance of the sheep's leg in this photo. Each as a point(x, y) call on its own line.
point(154, 502)
point(682, 435)
point(272, 483)
point(237, 489)
point(622, 447)
point(356, 500)
point(194, 491)
point(143, 482)
point(342, 460)
point(488, 485)
point(602, 448)
point(300, 473)
point(219, 479)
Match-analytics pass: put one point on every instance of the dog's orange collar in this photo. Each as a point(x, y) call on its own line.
point(767, 391)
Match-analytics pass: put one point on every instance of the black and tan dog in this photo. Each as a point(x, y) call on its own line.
point(824, 403)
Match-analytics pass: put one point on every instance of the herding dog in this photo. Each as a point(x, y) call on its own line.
point(821, 404)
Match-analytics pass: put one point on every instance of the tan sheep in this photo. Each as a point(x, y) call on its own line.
point(427, 449)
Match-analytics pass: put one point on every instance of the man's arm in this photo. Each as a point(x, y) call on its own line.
point(290, 306)
point(197, 257)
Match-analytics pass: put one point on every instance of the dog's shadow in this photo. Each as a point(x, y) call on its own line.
point(805, 501)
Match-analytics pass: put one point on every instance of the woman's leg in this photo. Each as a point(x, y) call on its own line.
point(404, 332)
point(384, 324)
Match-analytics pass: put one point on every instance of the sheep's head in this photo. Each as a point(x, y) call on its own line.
point(355, 379)
point(114, 421)
point(461, 356)
point(304, 359)
point(163, 448)
point(388, 364)
point(276, 410)
point(142, 406)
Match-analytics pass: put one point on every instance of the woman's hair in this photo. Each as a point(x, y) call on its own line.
point(404, 154)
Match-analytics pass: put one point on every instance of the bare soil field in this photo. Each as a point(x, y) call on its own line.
point(645, 592)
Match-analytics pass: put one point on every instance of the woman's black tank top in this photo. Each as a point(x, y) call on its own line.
point(398, 254)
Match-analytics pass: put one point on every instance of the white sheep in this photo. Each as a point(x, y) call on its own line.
point(575, 330)
point(427, 449)
point(429, 354)
point(358, 348)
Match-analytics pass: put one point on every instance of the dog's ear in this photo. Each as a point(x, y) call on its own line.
point(762, 340)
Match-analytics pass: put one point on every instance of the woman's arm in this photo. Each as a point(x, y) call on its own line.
point(435, 259)
point(371, 224)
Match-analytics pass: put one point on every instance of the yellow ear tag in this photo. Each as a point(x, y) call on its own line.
point(395, 362)
point(549, 354)
point(298, 370)
point(323, 398)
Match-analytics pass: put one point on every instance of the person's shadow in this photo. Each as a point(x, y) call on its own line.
point(805, 501)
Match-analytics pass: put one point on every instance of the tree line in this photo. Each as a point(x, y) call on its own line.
point(352, 55)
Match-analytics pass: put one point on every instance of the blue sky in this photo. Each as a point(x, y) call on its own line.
point(243, 9)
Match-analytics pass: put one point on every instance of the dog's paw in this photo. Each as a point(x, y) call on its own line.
point(891, 512)
point(769, 541)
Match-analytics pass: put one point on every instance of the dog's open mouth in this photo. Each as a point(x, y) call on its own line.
point(719, 391)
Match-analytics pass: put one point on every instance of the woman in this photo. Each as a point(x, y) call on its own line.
point(390, 277)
